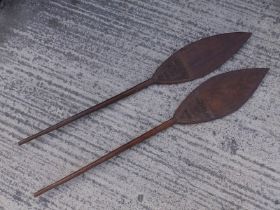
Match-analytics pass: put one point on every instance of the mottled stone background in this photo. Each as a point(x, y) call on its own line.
point(59, 57)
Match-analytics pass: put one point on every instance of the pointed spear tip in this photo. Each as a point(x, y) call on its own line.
point(246, 35)
point(259, 72)
point(249, 34)
point(264, 70)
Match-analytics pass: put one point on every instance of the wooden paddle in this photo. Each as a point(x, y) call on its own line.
point(217, 97)
point(191, 62)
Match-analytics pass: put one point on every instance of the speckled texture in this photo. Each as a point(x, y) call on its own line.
point(59, 57)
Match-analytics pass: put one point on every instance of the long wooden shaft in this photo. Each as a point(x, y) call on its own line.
point(89, 110)
point(108, 156)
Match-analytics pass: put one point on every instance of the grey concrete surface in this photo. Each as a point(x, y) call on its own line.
point(59, 57)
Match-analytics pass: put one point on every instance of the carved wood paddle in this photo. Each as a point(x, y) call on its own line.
point(217, 97)
point(191, 62)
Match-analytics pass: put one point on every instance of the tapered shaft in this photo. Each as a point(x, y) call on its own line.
point(89, 110)
point(108, 156)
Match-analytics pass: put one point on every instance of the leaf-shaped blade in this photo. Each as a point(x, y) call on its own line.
point(219, 96)
point(199, 58)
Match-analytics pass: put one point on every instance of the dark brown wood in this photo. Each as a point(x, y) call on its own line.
point(89, 110)
point(199, 58)
point(108, 156)
point(215, 98)
point(219, 96)
point(191, 62)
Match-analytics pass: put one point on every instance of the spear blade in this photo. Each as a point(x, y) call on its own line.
point(219, 96)
point(200, 58)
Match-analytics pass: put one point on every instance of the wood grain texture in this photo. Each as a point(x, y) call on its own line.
point(59, 57)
